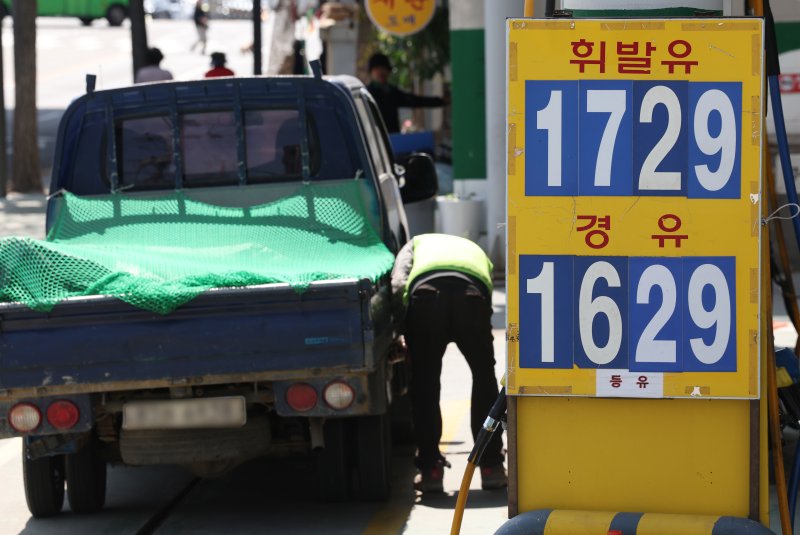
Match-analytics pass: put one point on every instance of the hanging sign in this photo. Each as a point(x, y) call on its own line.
point(401, 17)
point(634, 207)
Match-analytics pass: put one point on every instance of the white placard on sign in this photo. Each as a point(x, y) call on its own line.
point(625, 384)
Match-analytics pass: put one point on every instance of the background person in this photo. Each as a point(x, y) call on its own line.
point(390, 98)
point(201, 17)
point(445, 284)
point(151, 71)
point(218, 61)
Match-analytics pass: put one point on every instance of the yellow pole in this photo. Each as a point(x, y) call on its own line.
point(528, 8)
point(772, 387)
point(758, 11)
point(772, 402)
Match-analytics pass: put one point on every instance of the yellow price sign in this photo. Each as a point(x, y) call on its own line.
point(633, 207)
point(401, 17)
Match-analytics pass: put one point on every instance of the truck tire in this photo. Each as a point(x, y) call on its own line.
point(44, 484)
point(115, 15)
point(332, 465)
point(86, 21)
point(373, 458)
point(86, 479)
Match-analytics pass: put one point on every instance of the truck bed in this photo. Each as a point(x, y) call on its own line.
point(101, 344)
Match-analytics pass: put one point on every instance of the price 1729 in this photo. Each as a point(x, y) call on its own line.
point(624, 138)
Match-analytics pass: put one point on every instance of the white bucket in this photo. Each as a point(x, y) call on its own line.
point(460, 217)
point(421, 217)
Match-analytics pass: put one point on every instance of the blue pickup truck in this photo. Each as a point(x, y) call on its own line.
point(238, 372)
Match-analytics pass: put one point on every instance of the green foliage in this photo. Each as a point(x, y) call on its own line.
point(419, 56)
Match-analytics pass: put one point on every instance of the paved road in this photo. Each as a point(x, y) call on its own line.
point(68, 51)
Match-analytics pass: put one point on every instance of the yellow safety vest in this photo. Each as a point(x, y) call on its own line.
point(444, 252)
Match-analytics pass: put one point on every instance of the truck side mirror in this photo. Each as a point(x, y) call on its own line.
point(420, 177)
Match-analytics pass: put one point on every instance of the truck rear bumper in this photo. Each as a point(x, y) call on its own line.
point(12, 394)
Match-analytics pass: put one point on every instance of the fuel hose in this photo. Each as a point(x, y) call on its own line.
point(491, 424)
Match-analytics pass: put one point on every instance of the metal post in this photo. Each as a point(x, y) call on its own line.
point(4, 147)
point(138, 35)
point(256, 36)
point(495, 14)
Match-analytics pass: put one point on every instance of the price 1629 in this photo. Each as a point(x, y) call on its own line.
point(647, 314)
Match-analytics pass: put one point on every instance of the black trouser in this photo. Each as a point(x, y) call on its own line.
point(444, 310)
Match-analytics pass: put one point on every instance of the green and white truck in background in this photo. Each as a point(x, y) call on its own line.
point(114, 11)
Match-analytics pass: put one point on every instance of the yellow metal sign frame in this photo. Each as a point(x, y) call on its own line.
point(568, 447)
point(722, 50)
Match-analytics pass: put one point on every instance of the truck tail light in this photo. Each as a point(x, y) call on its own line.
point(63, 414)
point(24, 417)
point(301, 397)
point(338, 395)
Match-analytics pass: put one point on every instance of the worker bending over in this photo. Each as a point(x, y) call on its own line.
point(444, 283)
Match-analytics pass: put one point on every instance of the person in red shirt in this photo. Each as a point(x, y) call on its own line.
point(218, 67)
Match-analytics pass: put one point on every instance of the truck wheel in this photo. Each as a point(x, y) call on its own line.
point(86, 21)
point(331, 464)
point(115, 15)
point(86, 479)
point(374, 457)
point(44, 484)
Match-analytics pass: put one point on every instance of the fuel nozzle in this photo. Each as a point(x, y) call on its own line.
point(496, 416)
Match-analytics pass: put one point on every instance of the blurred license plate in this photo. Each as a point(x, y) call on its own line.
point(185, 413)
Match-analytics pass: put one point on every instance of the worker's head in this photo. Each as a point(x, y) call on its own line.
point(379, 68)
point(154, 56)
point(218, 59)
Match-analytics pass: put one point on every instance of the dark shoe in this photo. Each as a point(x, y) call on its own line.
point(430, 480)
point(493, 477)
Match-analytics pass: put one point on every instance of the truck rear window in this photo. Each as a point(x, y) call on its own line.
point(209, 142)
point(274, 143)
point(144, 153)
point(209, 146)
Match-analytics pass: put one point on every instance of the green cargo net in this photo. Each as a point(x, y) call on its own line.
point(158, 253)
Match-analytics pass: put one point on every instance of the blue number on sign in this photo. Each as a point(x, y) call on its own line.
point(659, 138)
point(634, 138)
point(714, 151)
point(606, 138)
point(551, 138)
point(655, 307)
point(710, 308)
point(600, 332)
point(545, 311)
point(643, 314)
